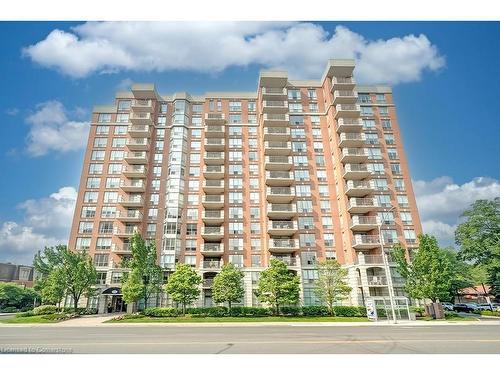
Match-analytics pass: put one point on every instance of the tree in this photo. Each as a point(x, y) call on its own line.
point(462, 273)
point(14, 296)
point(330, 286)
point(479, 238)
point(71, 270)
point(145, 277)
point(430, 273)
point(53, 290)
point(228, 285)
point(78, 275)
point(278, 285)
point(183, 285)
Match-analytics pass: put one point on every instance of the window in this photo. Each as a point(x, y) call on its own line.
point(300, 161)
point(406, 218)
point(190, 259)
point(237, 260)
point(377, 168)
point(369, 124)
point(386, 124)
point(236, 244)
point(374, 153)
point(364, 98)
point(235, 119)
point(396, 168)
point(323, 191)
point(329, 240)
point(85, 227)
point(251, 106)
point(97, 155)
point(235, 142)
point(311, 93)
point(302, 175)
point(191, 229)
point(255, 262)
point(383, 111)
point(393, 153)
point(366, 111)
point(235, 198)
point(252, 119)
point(371, 139)
point(313, 107)
point(383, 200)
point(327, 222)
point(235, 156)
point(295, 107)
point(298, 133)
point(235, 169)
point(107, 212)
point(297, 120)
point(110, 197)
point(122, 117)
point(235, 228)
point(254, 198)
point(294, 94)
point(410, 236)
point(104, 117)
point(95, 169)
point(255, 228)
point(102, 129)
point(308, 258)
point(90, 196)
point(103, 243)
point(318, 147)
point(123, 105)
point(299, 146)
point(197, 108)
point(236, 212)
point(116, 155)
point(105, 227)
point(83, 243)
point(320, 160)
point(380, 183)
point(307, 239)
point(321, 176)
point(306, 222)
point(403, 201)
point(88, 212)
point(304, 206)
point(235, 106)
point(114, 168)
point(192, 214)
point(386, 218)
point(101, 278)
point(325, 206)
point(399, 184)
point(389, 139)
point(380, 98)
point(120, 130)
point(303, 190)
point(93, 182)
point(119, 142)
point(190, 245)
point(101, 260)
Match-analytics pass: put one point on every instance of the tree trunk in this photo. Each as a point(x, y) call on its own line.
point(229, 303)
point(183, 307)
point(75, 303)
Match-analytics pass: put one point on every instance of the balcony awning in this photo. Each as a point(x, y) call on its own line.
point(114, 291)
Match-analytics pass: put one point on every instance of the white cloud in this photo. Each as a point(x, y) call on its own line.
point(441, 202)
point(12, 111)
point(51, 130)
point(46, 222)
point(302, 48)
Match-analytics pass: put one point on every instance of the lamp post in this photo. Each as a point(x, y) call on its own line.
point(387, 269)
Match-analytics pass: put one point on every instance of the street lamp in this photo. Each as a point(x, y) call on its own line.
point(387, 269)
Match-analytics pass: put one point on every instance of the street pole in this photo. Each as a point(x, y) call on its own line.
point(387, 272)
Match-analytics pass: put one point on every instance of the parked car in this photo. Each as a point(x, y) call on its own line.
point(447, 306)
point(486, 307)
point(496, 306)
point(465, 307)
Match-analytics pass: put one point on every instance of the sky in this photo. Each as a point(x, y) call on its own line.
point(443, 75)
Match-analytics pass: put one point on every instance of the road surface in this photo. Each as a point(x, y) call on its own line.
point(251, 339)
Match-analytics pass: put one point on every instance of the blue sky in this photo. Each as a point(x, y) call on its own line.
point(444, 79)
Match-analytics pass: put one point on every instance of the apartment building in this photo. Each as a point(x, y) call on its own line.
point(300, 170)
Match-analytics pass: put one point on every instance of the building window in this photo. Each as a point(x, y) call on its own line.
point(364, 98)
point(82, 243)
point(293, 94)
point(101, 260)
point(124, 105)
point(104, 117)
point(103, 243)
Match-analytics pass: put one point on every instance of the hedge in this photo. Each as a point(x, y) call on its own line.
point(162, 312)
point(490, 313)
point(250, 311)
point(45, 309)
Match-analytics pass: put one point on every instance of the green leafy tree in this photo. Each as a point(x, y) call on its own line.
point(430, 274)
point(54, 289)
point(278, 285)
point(462, 272)
point(145, 277)
point(183, 285)
point(44, 262)
point(228, 285)
point(14, 296)
point(479, 238)
point(330, 287)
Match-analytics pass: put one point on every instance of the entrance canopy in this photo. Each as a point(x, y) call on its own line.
point(115, 291)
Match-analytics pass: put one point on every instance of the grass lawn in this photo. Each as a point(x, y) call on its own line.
point(450, 318)
point(189, 319)
point(36, 319)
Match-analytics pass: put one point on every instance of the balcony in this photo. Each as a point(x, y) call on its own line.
point(281, 210)
point(125, 232)
point(273, 93)
point(213, 172)
point(213, 201)
point(214, 158)
point(212, 264)
point(279, 178)
point(215, 119)
point(282, 227)
point(278, 163)
point(133, 186)
point(137, 144)
point(213, 186)
point(356, 171)
point(349, 125)
point(377, 280)
point(345, 97)
point(365, 242)
point(343, 83)
point(214, 144)
point(347, 110)
point(359, 188)
point(212, 216)
point(123, 249)
point(275, 106)
point(134, 171)
point(141, 118)
point(354, 155)
point(212, 233)
point(364, 223)
point(276, 148)
point(352, 140)
point(136, 157)
point(283, 245)
point(288, 260)
point(276, 134)
point(129, 216)
point(276, 119)
point(214, 131)
point(280, 194)
point(212, 248)
point(142, 105)
point(139, 131)
point(131, 201)
point(361, 205)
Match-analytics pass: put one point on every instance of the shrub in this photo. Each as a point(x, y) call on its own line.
point(490, 313)
point(45, 309)
point(418, 310)
point(315, 311)
point(24, 314)
point(10, 309)
point(250, 311)
point(216, 311)
point(291, 310)
point(349, 311)
point(450, 314)
point(80, 310)
point(164, 312)
point(60, 316)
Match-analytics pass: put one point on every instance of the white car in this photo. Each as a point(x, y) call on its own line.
point(447, 306)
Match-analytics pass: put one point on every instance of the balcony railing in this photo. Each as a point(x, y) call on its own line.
point(212, 264)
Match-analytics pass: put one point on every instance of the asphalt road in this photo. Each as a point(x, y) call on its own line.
point(257, 339)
